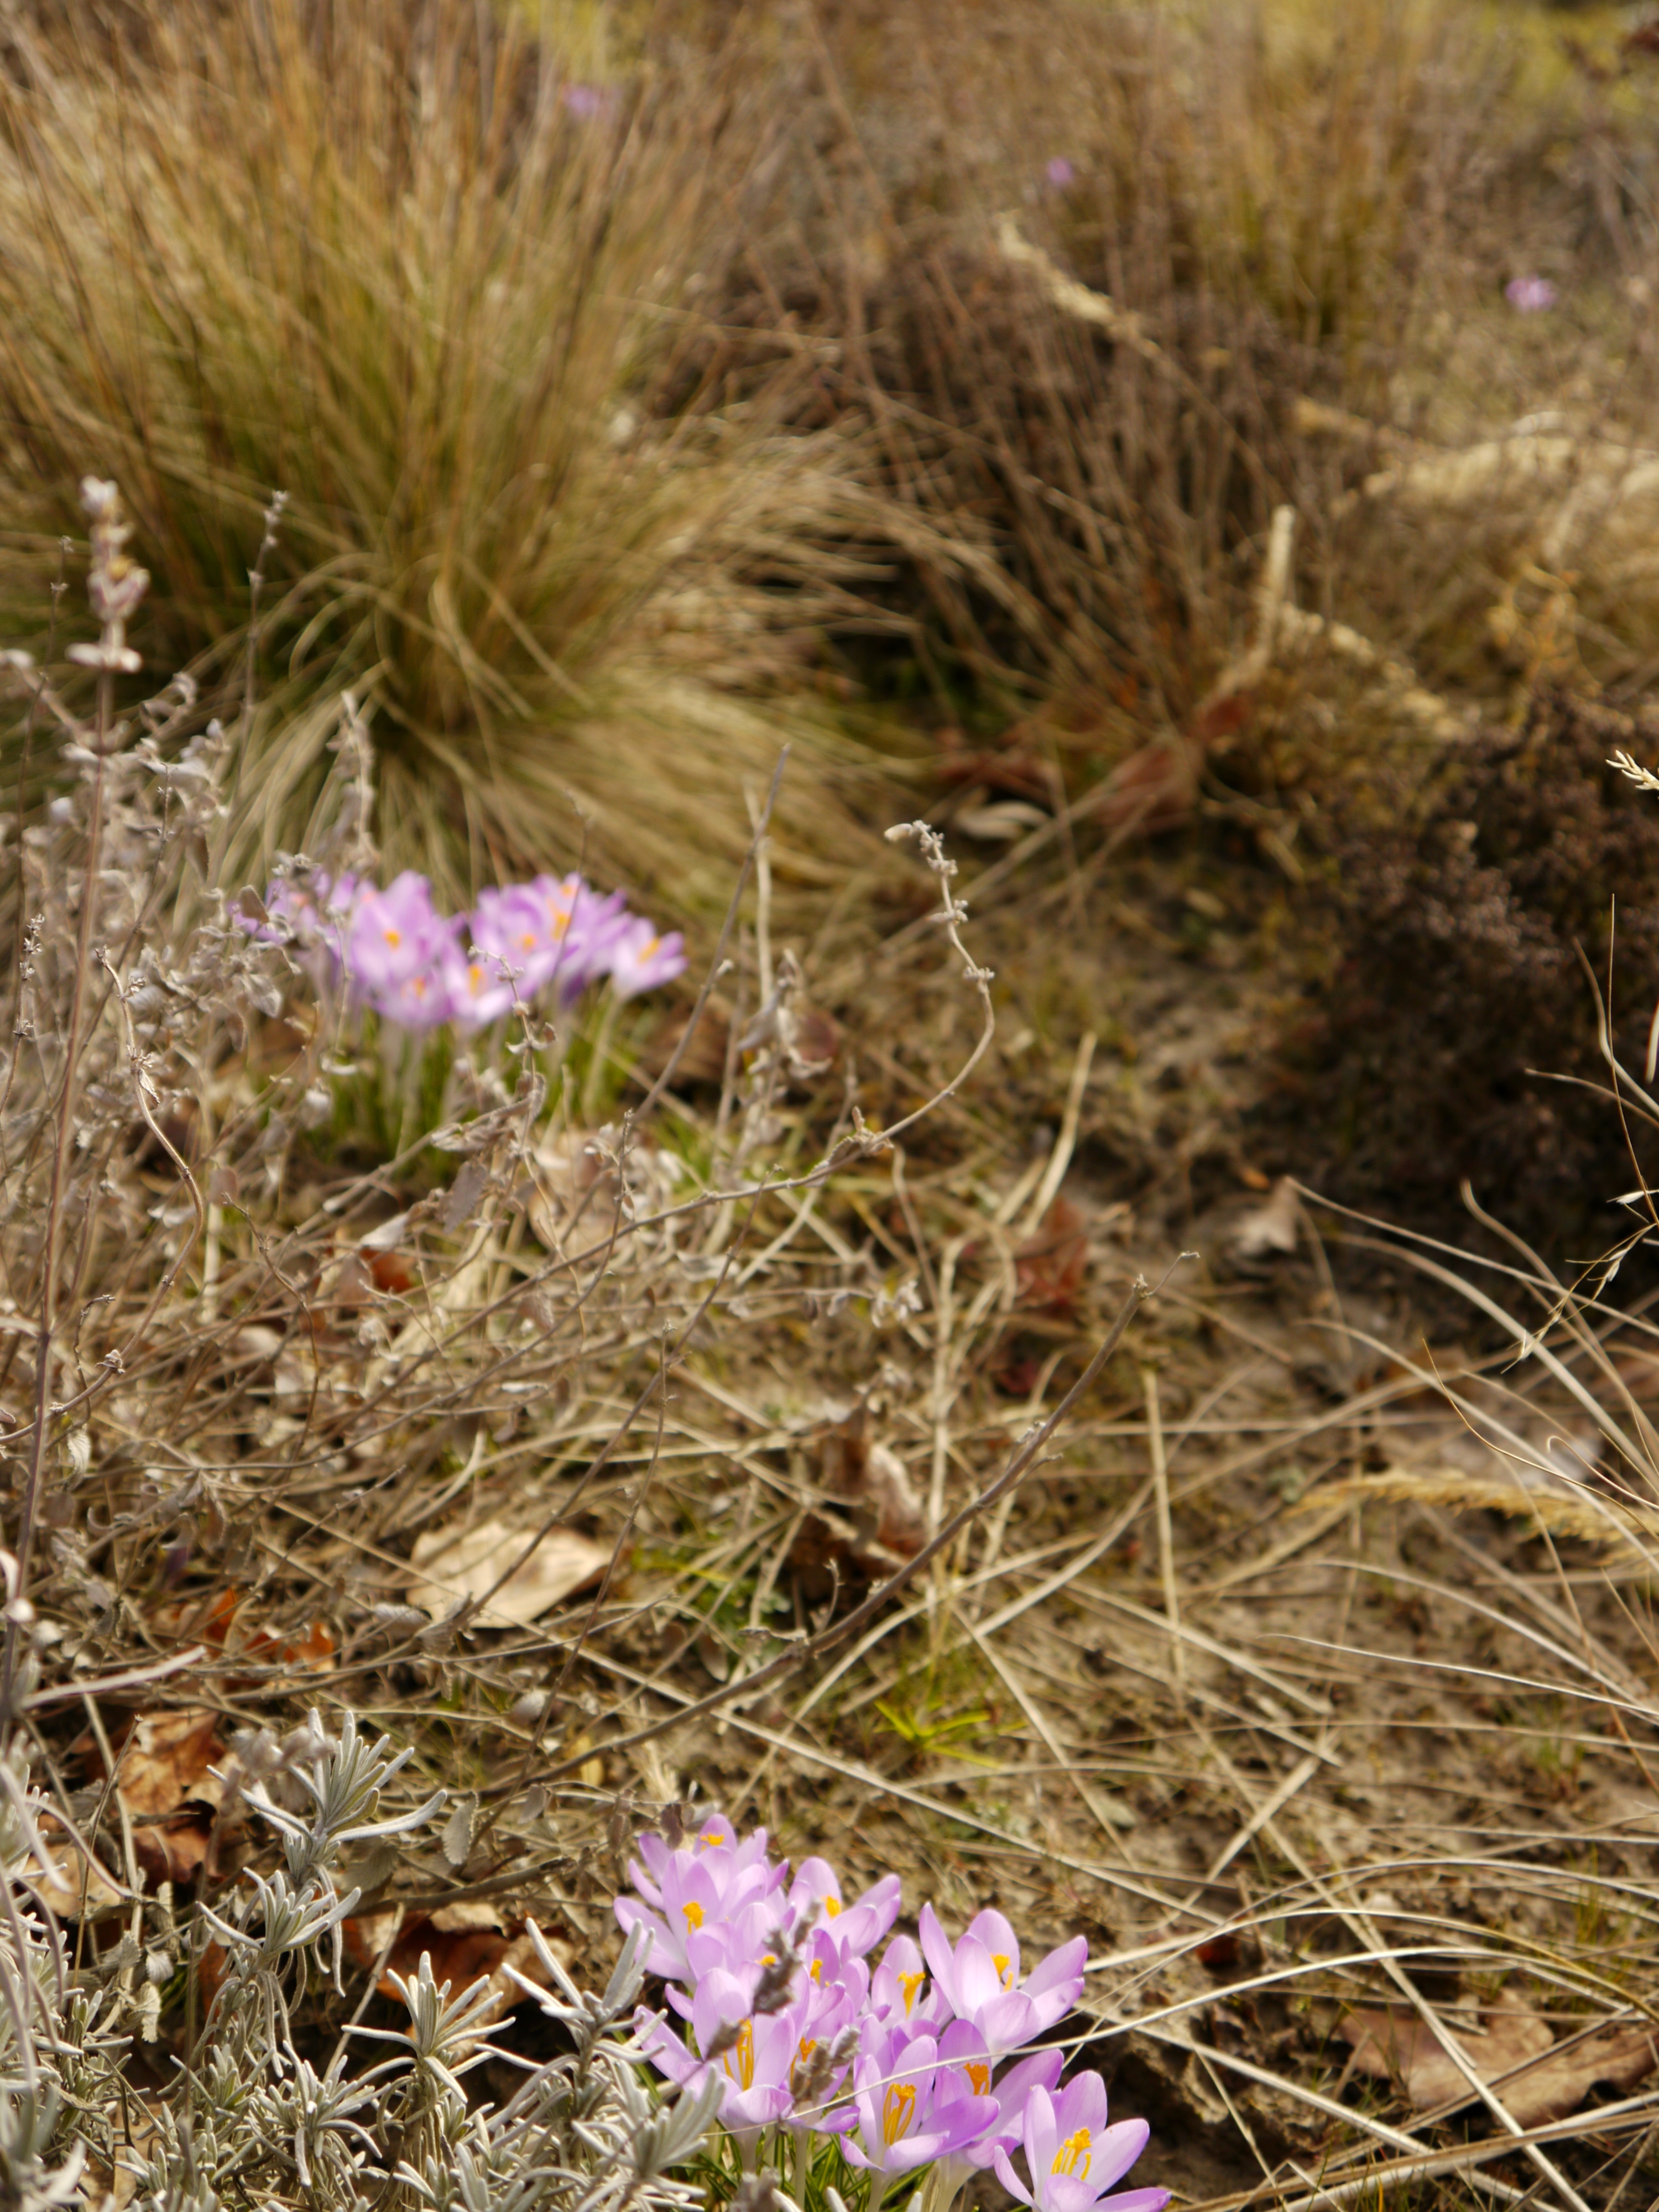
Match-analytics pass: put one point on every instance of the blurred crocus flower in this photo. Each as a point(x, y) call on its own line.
point(400, 952)
point(1061, 172)
point(1073, 2157)
point(417, 968)
point(980, 1979)
point(639, 960)
point(584, 100)
point(1531, 294)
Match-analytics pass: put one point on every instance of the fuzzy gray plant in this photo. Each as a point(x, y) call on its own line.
point(250, 2120)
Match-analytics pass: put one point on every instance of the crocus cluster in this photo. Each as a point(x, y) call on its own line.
point(395, 952)
point(919, 2058)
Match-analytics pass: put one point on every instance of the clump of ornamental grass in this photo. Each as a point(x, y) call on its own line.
point(400, 265)
point(1259, 211)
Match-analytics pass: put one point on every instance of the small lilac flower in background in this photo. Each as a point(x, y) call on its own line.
point(1059, 173)
point(639, 960)
point(584, 100)
point(398, 950)
point(1531, 294)
point(417, 968)
point(1073, 2157)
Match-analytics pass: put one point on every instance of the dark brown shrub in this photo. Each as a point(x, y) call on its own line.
point(1468, 917)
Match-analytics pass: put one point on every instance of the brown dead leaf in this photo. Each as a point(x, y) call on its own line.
point(873, 1480)
point(463, 1940)
point(1513, 2053)
point(162, 1778)
point(1154, 789)
point(1050, 1266)
point(70, 1885)
point(463, 1562)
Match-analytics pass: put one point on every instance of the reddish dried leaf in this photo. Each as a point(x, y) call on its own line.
point(173, 1850)
point(162, 1760)
point(1010, 771)
point(873, 1480)
point(1220, 1952)
point(1401, 2047)
point(1019, 1376)
point(391, 1272)
point(463, 1941)
point(312, 1649)
point(1050, 1266)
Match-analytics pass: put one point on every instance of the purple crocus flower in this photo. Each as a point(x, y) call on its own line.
point(580, 929)
point(964, 2047)
point(980, 1979)
point(1061, 172)
point(760, 2050)
point(511, 929)
point(1531, 294)
point(1073, 2157)
point(858, 1927)
point(700, 1889)
point(639, 960)
point(898, 1987)
point(309, 913)
point(908, 2109)
point(399, 952)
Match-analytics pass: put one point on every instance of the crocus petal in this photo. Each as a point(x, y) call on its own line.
point(941, 1959)
point(1116, 2150)
point(1006, 2174)
point(1041, 2135)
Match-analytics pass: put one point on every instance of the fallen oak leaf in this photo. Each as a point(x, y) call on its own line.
point(1516, 2052)
point(71, 1885)
point(165, 1782)
point(464, 1564)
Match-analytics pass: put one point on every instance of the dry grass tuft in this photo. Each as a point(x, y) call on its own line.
point(394, 261)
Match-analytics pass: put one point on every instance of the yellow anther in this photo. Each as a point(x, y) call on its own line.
point(909, 1984)
point(694, 1914)
point(817, 1971)
point(831, 1905)
point(394, 938)
point(1073, 2156)
point(898, 2109)
point(1004, 1966)
point(979, 2075)
point(743, 2051)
